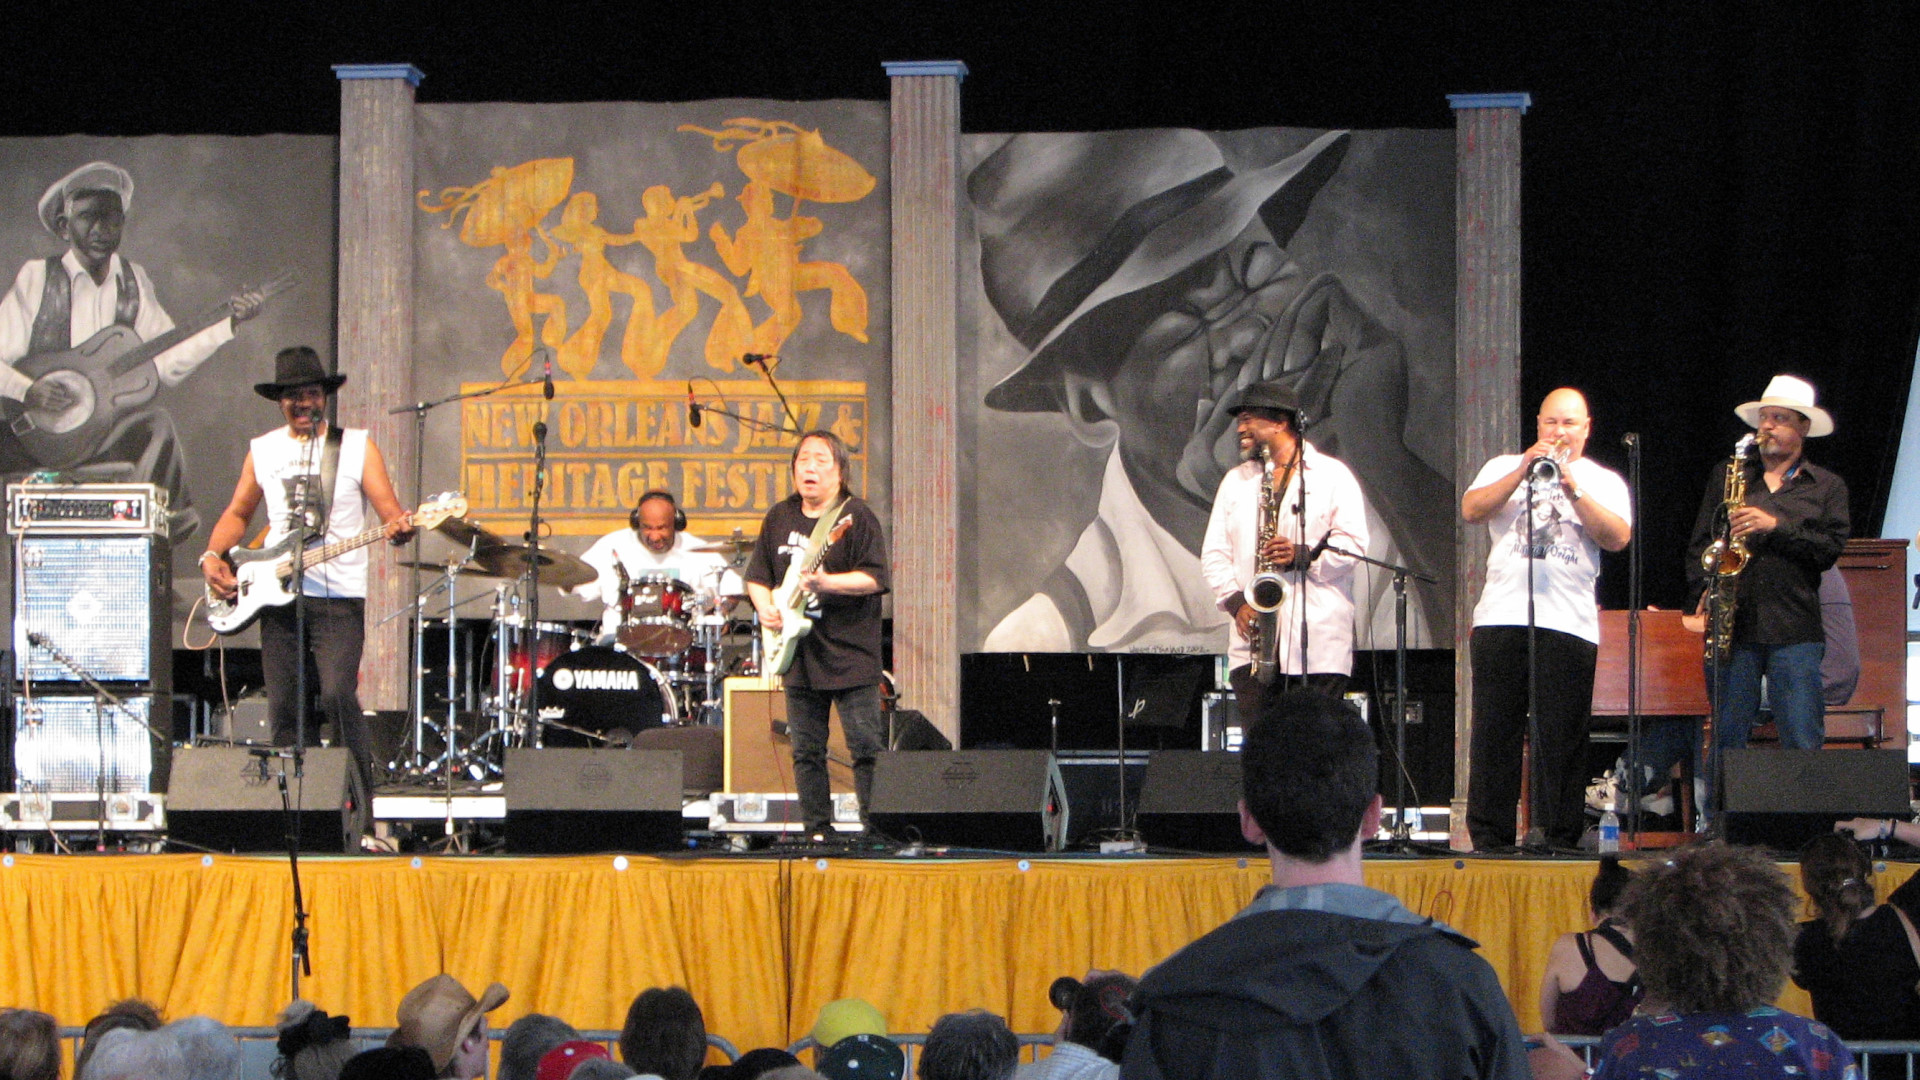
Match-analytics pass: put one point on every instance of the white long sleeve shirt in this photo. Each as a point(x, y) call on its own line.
point(1335, 509)
point(93, 311)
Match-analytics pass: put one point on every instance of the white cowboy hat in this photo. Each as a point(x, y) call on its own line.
point(93, 176)
point(1789, 392)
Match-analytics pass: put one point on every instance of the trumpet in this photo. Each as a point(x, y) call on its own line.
point(1545, 472)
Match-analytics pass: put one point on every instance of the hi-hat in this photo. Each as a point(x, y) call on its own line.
point(735, 544)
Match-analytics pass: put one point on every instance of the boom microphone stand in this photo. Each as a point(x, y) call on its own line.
point(1635, 771)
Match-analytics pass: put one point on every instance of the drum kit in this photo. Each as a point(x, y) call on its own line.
point(674, 642)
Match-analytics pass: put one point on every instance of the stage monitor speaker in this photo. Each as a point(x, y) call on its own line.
point(578, 800)
point(227, 798)
point(1011, 800)
point(1191, 801)
point(1783, 798)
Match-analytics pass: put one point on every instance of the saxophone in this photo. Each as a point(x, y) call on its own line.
point(1267, 590)
point(1727, 555)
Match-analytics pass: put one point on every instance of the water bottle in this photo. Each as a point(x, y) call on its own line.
point(1609, 832)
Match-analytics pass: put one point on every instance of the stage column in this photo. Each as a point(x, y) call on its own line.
point(926, 156)
point(375, 328)
point(1486, 359)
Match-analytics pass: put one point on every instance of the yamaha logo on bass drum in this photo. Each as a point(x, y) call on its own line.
point(589, 679)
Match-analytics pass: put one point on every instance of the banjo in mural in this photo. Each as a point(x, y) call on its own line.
point(85, 344)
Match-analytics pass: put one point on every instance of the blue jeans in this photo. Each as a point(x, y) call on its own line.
point(1793, 692)
point(807, 712)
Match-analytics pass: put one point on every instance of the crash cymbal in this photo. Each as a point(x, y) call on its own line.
point(735, 544)
point(557, 568)
point(469, 534)
point(471, 569)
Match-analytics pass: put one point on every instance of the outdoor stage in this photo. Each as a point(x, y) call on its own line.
point(579, 936)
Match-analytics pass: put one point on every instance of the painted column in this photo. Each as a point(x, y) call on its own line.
point(925, 182)
point(1486, 361)
point(374, 339)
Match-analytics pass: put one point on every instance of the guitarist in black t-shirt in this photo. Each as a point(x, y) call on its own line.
point(818, 569)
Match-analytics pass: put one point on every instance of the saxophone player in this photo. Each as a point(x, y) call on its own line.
point(1793, 525)
point(1317, 580)
point(1580, 508)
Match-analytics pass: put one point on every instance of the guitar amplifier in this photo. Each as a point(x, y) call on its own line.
point(139, 509)
point(62, 743)
point(104, 601)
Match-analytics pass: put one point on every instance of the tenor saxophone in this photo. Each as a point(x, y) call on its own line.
point(1267, 590)
point(1727, 555)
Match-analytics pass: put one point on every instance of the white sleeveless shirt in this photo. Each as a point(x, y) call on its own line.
point(279, 459)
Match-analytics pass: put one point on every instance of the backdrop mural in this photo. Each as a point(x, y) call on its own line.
point(1119, 289)
point(193, 260)
point(653, 255)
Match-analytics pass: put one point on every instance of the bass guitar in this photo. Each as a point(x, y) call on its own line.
point(779, 647)
point(265, 577)
point(104, 376)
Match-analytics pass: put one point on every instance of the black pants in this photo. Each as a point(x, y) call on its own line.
point(336, 629)
point(1565, 671)
point(1249, 696)
point(807, 718)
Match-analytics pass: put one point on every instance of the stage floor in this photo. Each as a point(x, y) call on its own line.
point(762, 942)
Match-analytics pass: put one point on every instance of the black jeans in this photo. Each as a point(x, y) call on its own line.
point(1249, 696)
point(336, 629)
point(1565, 671)
point(807, 720)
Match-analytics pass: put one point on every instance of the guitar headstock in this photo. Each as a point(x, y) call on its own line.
point(839, 530)
point(440, 508)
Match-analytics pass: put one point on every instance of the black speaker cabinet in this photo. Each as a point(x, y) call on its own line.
point(1191, 801)
point(1011, 800)
point(576, 800)
point(1783, 798)
point(228, 799)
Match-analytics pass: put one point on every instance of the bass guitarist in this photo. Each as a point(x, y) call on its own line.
point(291, 462)
point(58, 303)
point(838, 660)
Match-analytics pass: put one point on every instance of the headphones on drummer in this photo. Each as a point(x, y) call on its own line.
point(679, 515)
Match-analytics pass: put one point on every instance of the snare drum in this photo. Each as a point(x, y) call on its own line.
point(656, 616)
point(598, 689)
point(529, 651)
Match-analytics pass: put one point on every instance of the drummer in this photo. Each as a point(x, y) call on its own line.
point(656, 543)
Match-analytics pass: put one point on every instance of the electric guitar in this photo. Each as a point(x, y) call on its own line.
point(265, 577)
point(105, 375)
point(779, 647)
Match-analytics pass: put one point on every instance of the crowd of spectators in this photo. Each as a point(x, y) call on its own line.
point(1319, 976)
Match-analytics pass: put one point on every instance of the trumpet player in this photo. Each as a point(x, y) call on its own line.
point(1307, 537)
point(1580, 508)
point(1793, 524)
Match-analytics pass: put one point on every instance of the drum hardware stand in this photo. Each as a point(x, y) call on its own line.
point(419, 409)
point(1402, 841)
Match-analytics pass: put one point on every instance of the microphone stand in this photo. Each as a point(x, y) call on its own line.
point(534, 734)
point(416, 672)
point(759, 360)
point(1402, 831)
point(1536, 838)
point(1631, 440)
point(1300, 525)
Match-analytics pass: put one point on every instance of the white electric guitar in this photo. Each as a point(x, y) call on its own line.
point(779, 647)
point(265, 577)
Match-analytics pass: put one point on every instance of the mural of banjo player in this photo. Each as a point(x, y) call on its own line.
point(61, 302)
point(1146, 273)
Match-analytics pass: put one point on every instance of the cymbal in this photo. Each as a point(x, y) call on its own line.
point(468, 534)
point(735, 544)
point(557, 568)
point(470, 569)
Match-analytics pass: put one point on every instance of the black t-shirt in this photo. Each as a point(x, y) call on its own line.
point(1863, 986)
point(843, 650)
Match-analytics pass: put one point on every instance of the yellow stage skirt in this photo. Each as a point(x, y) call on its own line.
point(761, 943)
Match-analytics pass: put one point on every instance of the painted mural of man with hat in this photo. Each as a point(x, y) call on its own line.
point(1794, 524)
point(1314, 623)
point(1145, 274)
point(61, 301)
point(285, 469)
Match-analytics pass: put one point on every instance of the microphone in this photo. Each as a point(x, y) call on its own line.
point(1630, 440)
point(754, 359)
point(1320, 548)
point(546, 381)
point(540, 430)
point(37, 638)
point(693, 408)
point(1301, 422)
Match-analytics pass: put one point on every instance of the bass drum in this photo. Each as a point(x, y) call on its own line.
point(598, 696)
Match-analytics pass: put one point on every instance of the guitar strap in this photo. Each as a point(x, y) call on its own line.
point(822, 527)
point(329, 473)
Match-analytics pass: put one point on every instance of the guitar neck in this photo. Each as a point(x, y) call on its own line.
point(147, 350)
point(327, 552)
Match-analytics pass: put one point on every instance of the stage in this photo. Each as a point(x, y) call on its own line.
point(761, 942)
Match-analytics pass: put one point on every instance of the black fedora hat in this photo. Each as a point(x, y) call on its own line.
point(298, 366)
point(1267, 395)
